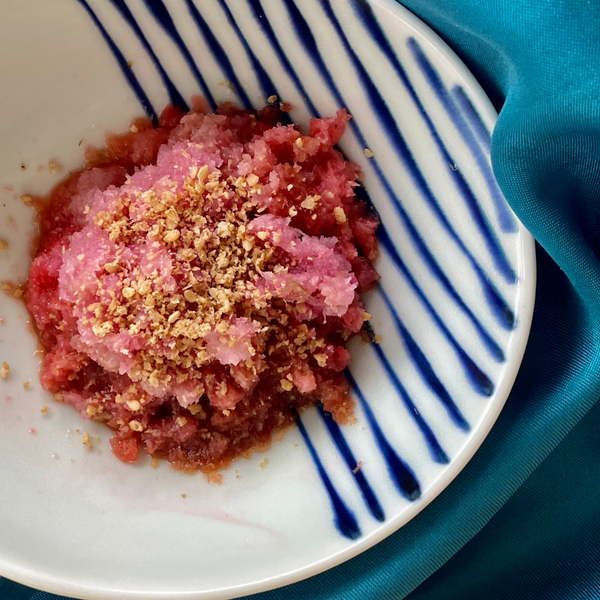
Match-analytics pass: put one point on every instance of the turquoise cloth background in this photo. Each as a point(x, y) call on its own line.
point(523, 519)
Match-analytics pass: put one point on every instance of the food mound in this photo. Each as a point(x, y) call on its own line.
point(195, 286)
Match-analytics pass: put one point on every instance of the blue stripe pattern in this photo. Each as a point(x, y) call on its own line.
point(482, 299)
point(506, 220)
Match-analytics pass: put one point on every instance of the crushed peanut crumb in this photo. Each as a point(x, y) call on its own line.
point(26, 384)
point(359, 466)
point(54, 167)
point(272, 99)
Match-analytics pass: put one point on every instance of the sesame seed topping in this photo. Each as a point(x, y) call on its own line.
point(339, 214)
point(4, 369)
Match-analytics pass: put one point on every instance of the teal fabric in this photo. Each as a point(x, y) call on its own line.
point(522, 520)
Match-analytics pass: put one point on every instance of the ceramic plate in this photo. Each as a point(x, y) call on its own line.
point(453, 309)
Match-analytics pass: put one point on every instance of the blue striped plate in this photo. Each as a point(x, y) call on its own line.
point(453, 309)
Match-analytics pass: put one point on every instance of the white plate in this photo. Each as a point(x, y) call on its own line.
point(82, 524)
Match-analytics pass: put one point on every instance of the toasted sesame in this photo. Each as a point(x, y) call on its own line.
point(202, 173)
point(134, 129)
point(4, 369)
point(111, 267)
point(133, 405)
point(368, 153)
point(339, 214)
point(26, 384)
point(44, 410)
point(136, 426)
point(272, 99)
point(3, 245)
point(87, 441)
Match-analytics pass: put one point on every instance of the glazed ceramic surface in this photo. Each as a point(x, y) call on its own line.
point(453, 309)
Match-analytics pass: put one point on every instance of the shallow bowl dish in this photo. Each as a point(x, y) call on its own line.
point(453, 310)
